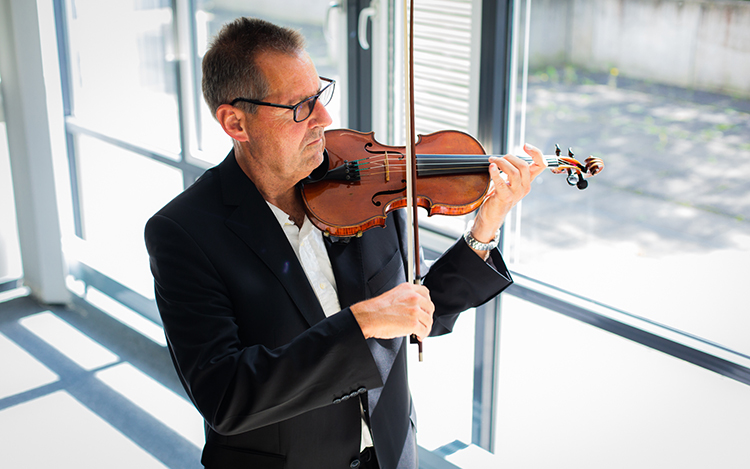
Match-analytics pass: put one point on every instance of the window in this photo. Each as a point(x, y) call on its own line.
point(122, 74)
point(139, 131)
point(653, 251)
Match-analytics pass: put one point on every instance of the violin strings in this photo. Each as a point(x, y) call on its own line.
point(380, 164)
point(441, 158)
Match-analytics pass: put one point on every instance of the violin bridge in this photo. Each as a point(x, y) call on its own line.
point(387, 170)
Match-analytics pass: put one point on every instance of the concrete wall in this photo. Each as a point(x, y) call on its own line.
point(694, 44)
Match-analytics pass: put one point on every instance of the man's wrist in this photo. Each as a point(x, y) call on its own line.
point(479, 246)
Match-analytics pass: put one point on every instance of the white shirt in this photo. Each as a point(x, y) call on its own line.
point(307, 243)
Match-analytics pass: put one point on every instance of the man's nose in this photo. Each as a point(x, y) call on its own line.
point(320, 115)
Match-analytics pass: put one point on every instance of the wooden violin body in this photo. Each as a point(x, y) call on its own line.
point(376, 181)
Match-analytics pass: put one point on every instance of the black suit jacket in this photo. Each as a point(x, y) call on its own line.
point(278, 383)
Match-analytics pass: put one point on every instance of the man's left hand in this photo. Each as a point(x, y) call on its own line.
point(511, 181)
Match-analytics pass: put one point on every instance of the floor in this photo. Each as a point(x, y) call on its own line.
point(81, 389)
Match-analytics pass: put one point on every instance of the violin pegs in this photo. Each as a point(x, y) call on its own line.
point(557, 150)
point(572, 179)
point(582, 184)
point(570, 152)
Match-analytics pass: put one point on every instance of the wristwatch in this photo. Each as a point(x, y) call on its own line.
point(474, 244)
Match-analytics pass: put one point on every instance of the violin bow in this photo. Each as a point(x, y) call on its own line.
point(413, 266)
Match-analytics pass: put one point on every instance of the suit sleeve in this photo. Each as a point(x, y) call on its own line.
point(460, 280)
point(237, 386)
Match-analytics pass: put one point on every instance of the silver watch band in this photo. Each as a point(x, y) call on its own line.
point(474, 244)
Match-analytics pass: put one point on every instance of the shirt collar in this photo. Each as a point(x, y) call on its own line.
point(285, 221)
point(281, 216)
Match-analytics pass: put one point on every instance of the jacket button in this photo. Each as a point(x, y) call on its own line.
point(354, 464)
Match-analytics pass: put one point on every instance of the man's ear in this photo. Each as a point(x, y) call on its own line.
point(233, 122)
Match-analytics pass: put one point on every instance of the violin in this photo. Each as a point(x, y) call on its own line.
point(360, 180)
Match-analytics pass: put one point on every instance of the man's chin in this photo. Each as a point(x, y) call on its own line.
point(317, 151)
point(317, 160)
point(314, 160)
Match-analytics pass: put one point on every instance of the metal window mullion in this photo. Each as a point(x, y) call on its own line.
point(63, 54)
point(359, 71)
point(494, 74)
point(75, 127)
point(187, 90)
point(486, 343)
point(179, 57)
point(492, 118)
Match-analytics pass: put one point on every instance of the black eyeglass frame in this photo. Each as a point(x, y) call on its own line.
point(309, 100)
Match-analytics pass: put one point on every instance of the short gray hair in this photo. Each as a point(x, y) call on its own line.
point(229, 66)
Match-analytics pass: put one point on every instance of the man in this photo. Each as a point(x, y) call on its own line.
point(292, 345)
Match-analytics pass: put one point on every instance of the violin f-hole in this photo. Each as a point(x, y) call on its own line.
point(377, 203)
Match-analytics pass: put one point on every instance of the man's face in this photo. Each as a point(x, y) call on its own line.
point(284, 150)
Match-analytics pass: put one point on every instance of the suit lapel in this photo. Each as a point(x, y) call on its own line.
point(346, 261)
point(256, 225)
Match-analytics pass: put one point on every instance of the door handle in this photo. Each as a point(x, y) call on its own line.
point(327, 24)
point(364, 15)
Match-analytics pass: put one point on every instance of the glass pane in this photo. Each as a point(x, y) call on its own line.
point(664, 231)
point(445, 81)
point(310, 17)
point(123, 74)
point(119, 192)
point(591, 399)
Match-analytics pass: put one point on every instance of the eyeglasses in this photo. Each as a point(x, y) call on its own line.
point(304, 108)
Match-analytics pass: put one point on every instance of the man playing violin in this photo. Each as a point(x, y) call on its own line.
point(290, 344)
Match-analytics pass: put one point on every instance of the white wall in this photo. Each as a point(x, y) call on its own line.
point(693, 44)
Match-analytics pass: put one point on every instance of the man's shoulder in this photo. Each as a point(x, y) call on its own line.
point(195, 212)
point(204, 192)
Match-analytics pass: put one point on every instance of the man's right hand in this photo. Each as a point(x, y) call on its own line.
point(402, 311)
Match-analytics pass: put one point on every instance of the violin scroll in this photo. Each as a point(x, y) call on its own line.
point(577, 171)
